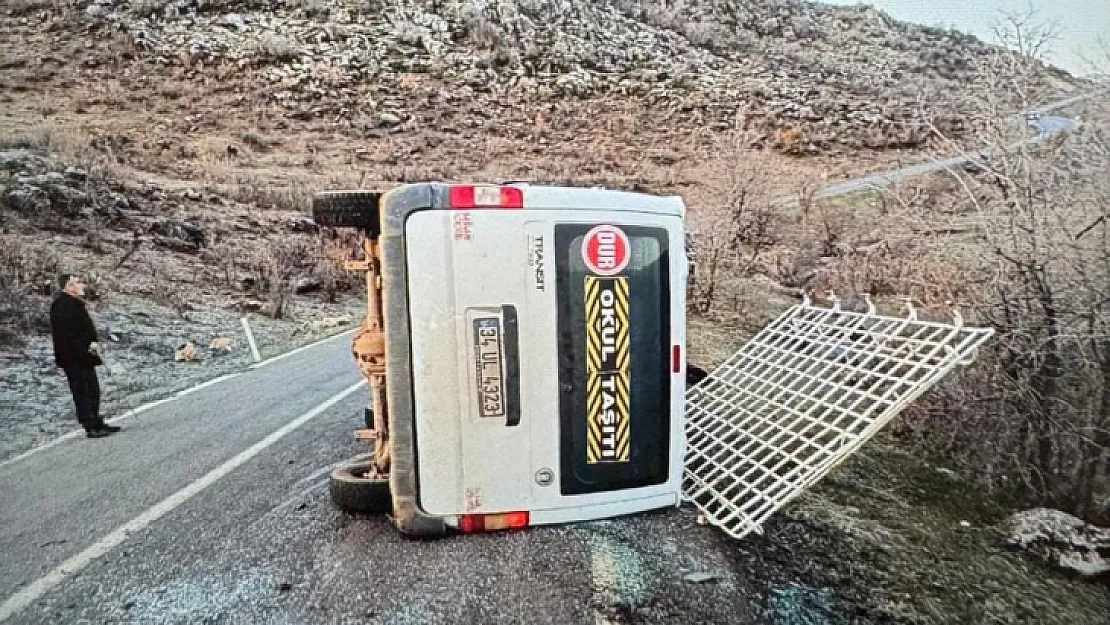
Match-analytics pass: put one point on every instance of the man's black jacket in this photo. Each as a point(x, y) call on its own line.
point(73, 332)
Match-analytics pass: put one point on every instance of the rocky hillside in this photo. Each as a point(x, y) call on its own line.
point(167, 148)
point(811, 77)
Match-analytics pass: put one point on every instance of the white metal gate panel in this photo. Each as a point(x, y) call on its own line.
point(801, 396)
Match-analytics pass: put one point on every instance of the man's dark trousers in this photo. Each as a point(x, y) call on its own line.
point(73, 333)
point(86, 395)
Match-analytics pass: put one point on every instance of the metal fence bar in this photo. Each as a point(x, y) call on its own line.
point(801, 396)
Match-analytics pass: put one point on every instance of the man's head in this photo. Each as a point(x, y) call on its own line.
point(71, 283)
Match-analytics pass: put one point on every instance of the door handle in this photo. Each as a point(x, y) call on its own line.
point(512, 364)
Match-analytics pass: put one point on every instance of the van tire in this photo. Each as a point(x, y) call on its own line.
point(348, 209)
point(351, 492)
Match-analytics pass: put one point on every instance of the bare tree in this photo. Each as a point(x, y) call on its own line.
point(1038, 416)
point(1020, 237)
point(734, 227)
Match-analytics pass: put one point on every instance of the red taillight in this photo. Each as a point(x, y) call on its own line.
point(472, 523)
point(470, 196)
point(676, 359)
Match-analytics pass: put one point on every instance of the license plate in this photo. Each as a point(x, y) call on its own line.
point(489, 366)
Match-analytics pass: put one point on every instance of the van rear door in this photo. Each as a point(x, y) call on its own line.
point(540, 384)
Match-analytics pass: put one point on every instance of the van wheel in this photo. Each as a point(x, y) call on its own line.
point(694, 375)
point(348, 209)
point(352, 492)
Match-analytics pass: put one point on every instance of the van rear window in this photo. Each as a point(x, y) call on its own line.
point(614, 346)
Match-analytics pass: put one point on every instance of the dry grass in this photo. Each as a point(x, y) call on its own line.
point(900, 542)
point(26, 7)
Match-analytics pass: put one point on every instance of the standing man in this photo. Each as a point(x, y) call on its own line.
point(78, 354)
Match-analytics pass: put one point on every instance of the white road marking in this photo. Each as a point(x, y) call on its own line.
point(616, 574)
point(196, 388)
point(36, 589)
point(300, 349)
point(131, 413)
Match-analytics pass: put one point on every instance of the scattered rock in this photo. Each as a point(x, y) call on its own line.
point(1062, 540)
point(389, 119)
point(249, 306)
point(220, 344)
point(76, 174)
point(180, 236)
point(302, 224)
point(769, 27)
point(328, 323)
point(802, 27)
point(186, 352)
point(699, 577)
point(307, 285)
point(27, 200)
point(23, 161)
point(233, 20)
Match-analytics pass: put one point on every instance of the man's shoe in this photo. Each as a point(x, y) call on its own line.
point(98, 433)
point(110, 428)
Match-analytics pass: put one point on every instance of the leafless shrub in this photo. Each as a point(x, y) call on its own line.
point(1014, 76)
point(661, 14)
point(165, 289)
point(333, 249)
point(480, 29)
point(1034, 416)
point(295, 197)
point(214, 6)
point(408, 32)
point(733, 229)
point(171, 91)
point(27, 276)
point(275, 266)
point(41, 139)
point(256, 142)
point(709, 35)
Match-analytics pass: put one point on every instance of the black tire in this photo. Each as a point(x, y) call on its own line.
point(351, 492)
point(348, 209)
point(694, 375)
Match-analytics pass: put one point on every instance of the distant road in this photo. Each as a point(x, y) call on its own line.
point(1046, 127)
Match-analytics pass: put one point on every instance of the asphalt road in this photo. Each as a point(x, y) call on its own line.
point(213, 508)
